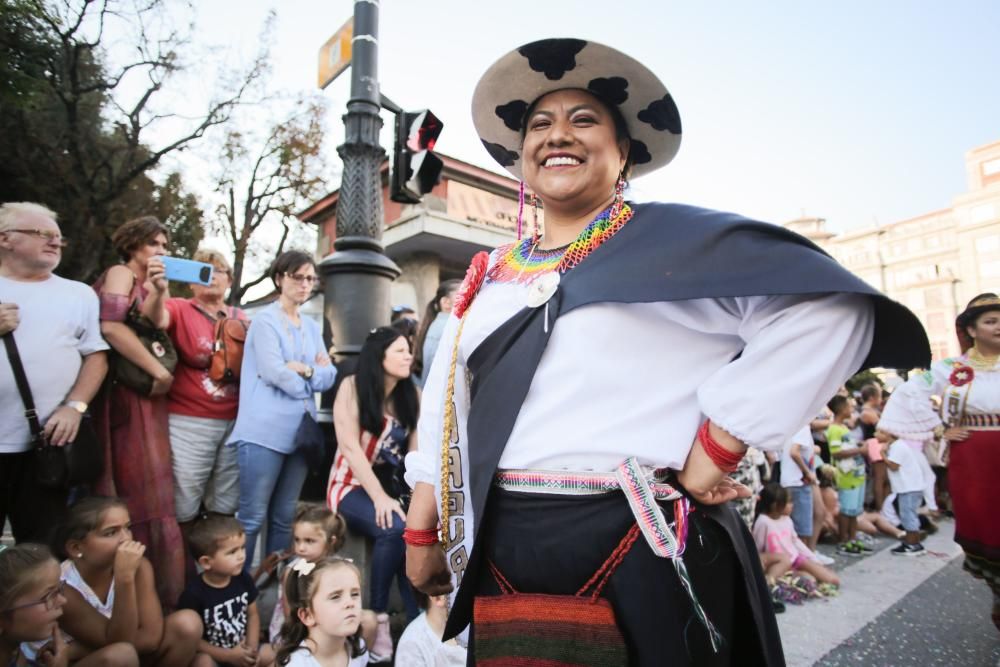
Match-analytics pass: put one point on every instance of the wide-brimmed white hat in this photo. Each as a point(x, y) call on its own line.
point(516, 80)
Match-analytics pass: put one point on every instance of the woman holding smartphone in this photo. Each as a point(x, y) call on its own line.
point(133, 426)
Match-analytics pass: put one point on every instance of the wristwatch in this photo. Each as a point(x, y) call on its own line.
point(79, 406)
point(309, 373)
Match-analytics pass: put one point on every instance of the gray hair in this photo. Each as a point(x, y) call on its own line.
point(11, 211)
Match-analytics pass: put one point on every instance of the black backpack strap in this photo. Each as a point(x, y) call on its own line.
point(24, 389)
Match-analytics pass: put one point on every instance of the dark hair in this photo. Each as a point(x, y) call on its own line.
point(134, 233)
point(621, 127)
point(446, 288)
point(773, 498)
point(289, 262)
point(333, 525)
point(837, 403)
point(369, 383)
point(82, 517)
point(17, 564)
point(299, 592)
point(400, 312)
point(870, 391)
point(208, 533)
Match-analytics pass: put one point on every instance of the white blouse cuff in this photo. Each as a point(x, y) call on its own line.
point(419, 468)
point(737, 433)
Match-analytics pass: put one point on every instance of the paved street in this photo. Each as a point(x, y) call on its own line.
point(896, 612)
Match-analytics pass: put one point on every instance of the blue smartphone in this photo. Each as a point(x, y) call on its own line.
point(187, 271)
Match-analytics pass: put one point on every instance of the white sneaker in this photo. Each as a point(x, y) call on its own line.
point(382, 646)
point(823, 559)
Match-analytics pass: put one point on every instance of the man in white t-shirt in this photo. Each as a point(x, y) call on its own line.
point(55, 324)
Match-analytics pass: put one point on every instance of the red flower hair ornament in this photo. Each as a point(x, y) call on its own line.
point(961, 375)
point(470, 286)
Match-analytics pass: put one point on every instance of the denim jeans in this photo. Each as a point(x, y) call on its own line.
point(909, 503)
point(388, 554)
point(270, 483)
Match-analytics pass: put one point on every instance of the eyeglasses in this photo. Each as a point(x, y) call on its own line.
point(49, 600)
point(46, 234)
point(301, 279)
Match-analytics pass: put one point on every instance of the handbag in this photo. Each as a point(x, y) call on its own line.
point(310, 441)
point(78, 462)
point(157, 343)
point(517, 629)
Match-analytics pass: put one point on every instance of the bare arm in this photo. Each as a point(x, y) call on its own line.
point(154, 307)
point(346, 422)
point(705, 481)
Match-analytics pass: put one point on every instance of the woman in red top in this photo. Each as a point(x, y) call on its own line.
point(202, 411)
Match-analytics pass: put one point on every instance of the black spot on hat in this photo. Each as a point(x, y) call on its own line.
point(611, 90)
point(662, 115)
point(638, 152)
point(552, 57)
point(512, 114)
point(503, 156)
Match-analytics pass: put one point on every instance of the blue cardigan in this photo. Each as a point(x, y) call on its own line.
point(273, 398)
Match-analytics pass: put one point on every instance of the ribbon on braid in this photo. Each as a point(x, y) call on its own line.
point(666, 542)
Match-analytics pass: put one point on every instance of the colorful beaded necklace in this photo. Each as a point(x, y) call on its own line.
point(523, 261)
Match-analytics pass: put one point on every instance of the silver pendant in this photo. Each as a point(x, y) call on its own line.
point(542, 288)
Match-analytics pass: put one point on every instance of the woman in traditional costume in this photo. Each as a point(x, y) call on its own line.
point(560, 416)
point(969, 416)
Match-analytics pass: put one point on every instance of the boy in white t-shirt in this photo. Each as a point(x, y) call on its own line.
point(906, 478)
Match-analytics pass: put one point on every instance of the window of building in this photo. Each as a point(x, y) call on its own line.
point(934, 297)
point(988, 244)
point(936, 323)
point(982, 213)
point(991, 167)
point(989, 269)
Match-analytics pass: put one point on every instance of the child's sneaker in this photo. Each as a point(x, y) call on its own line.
point(850, 549)
point(905, 549)
point(382, 646)
point(823, 559)
point(866, 541)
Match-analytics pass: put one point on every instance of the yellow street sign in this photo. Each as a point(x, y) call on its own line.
point(335, 55)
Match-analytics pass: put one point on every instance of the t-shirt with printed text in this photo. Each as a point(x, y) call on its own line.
point(222, 610)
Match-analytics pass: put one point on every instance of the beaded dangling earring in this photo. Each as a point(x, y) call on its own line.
point(536, 233)
point(520, 210)
point(619, 201)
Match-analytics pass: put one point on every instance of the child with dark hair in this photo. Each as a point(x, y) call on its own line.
point(224, 595)
point(774, 532)
point(421, 644)
point(848, 459)
point(111, 594)
point(324, 620)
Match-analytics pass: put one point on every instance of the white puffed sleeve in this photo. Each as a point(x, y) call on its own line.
point(909, 413)
point(424, 464)
point(798, 352)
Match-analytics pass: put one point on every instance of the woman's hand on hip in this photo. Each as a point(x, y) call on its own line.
point(956, 434)
point(427, 569)
point(385, 507)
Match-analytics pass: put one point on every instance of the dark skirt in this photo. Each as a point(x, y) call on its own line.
point(553, 544)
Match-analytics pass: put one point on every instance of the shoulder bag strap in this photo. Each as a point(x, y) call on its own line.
point(23, 388)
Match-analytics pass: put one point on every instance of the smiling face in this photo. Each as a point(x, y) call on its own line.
point(571, 155)
point(29, 249)
point(985, 331)
point(335, 608)
point(398, 359)
point(40, 606)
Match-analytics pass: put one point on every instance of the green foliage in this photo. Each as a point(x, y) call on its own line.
point(67, 143)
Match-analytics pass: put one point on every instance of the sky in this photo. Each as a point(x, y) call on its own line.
point(858, 112)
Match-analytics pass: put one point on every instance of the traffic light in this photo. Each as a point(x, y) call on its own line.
point(415, 169)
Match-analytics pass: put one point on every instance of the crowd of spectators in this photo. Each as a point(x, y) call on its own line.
point(152, 559)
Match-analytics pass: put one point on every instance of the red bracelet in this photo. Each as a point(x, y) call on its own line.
point(420, 538)
point(724, 459)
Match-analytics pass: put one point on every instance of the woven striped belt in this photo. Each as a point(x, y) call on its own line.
point(980, 421)
point(642, 486)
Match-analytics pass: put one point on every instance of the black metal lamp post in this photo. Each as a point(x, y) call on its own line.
point(357, 276)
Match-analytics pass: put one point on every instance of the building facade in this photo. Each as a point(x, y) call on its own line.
point(934, 263)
